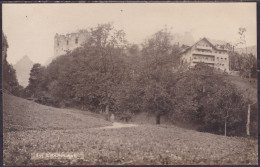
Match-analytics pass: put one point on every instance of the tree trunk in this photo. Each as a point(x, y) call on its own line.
point(203, 89)
point(82, 106)
point(248, 121)
point(107, 109)
point(226, 127)
point(250, 75)
point(226, 119)
point(107, 112)
point(158, 119)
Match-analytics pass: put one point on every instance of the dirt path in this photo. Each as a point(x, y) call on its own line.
point(117, 125)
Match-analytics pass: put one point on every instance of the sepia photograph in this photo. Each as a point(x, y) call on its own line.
point(129, 83)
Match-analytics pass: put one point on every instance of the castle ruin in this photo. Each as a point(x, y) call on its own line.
point(68, 42)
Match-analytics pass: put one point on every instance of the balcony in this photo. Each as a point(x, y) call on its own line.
point(197, 52)
point(203, 61)
point(204, 47)
point(208, 61)
point(209, 64)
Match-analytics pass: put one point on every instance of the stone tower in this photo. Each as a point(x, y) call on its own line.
point(68, 42)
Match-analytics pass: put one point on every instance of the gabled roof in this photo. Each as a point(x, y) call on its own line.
point(205, 39)
point(217, 42)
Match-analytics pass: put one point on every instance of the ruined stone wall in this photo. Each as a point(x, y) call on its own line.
point(68, 42)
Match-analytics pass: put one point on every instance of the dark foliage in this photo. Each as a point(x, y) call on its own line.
point(107, 75)
point(10, 82)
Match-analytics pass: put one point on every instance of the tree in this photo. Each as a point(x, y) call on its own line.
point(96, 69)
point(190, 87)
point(242, 36)
point(35, 81)
point(10, 82)
point(4, 47)
point(157, 74)
point(249, 66)
point(134, 49)
point(223, 109)
point(204, 97)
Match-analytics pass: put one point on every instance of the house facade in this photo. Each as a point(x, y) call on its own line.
point(204, 51)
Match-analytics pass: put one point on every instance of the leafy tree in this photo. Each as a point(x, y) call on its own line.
point(90, 75)
point(4, 47)
point(249, 66)
point(157, 74)
point(190, 87)
point(134, 49)
point(10, 82)
point(205, 97)
point(223, 110)
point(36, 79)
point(106, 45)
point(245, 64)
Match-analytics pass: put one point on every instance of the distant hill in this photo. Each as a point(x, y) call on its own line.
point(218, 42)
point(23, 68)
point(183, 39)
point(250, 49)
point(49, 60)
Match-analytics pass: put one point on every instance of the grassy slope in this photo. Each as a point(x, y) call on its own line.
point(47, 129)
point(20, 114)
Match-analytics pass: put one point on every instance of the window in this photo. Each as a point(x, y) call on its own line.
point(67, 42)
point(222, 64)
point(225, 58)
point(76, 41)
point(58, 43)
point(221, 58)
point(217, 57)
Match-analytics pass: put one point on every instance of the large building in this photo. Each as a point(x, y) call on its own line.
point(204, 51)
point(68, 42)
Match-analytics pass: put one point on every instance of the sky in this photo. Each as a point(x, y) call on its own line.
point(30, 28)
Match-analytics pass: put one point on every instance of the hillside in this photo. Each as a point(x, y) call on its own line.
point(23, 68)
point(32, 128)
point(249, 50)
point(20, 115)
point(183, 38)
point(249, 89)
